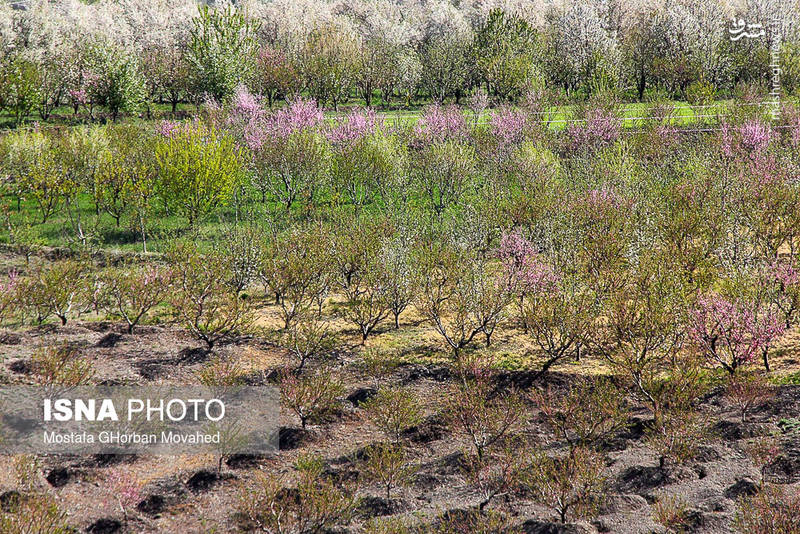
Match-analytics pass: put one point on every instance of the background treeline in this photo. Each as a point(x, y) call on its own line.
point(124, 56)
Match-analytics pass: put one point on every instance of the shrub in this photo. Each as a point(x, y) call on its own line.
point(242, 251)
point(524, 273)
point(589, 411)
point(445, 172)
point(700, 93)
point(387, 465)
point(672, 513)
point(786, 293)
point(394, 260)
point(8, 296)
point(307, 338)
point(58, 288)
point(200, 299)
point(498, 473)
point(167, 72)
point(599, 128)
point(461, 298)
point(474, 522)
point(199, 168)
point(389, 525)
point(21, 82)
point(124, 488)
point(675, 434)
point(273, 75)
point(61, 366)
point(762, 451)
point(368, 300)
point(116, 81)
point(366, 163)
point(133, 292)
point(37, 174)
point(221, 373)
point(310, 396)
point(328, 61)
point(729, 332)
point(295, 270)
point(747, 391)
point(558, 319)
point(394, 410)
point(221, 47)
point(772, 510)
point(314, 504)
point(571, 485)
point(291, 164)
point(504, 53)
point(641, 332)
point(118, 171)
point(27, 469)
point(37, 512)
point(478, 412)
point(379, 364)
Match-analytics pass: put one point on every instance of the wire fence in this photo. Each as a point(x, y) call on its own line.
point(674, 119)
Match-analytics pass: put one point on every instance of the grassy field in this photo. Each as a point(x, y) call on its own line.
point(559, 117)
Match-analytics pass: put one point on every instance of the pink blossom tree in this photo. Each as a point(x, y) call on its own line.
point(290, 154)
point(354, 126)
point(731, 332)
point(597, 129)
point(523, 271)
point(508, 126)
point(441, 123)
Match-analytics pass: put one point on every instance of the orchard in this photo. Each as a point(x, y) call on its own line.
point(520, 270)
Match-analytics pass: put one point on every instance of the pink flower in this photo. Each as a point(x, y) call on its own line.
point(603, 199)
point(167, 128)
point(441, 123)
point(784, 274)
point(754, 136)
point(600, 128)
point(795, 130)
point(356, 125)
point(731, 332)
point(124, 488)
point(524, 272)
point(299, 115)
point(750, 139)
point(508, 125)
point(245, 107)
point(79, 95)
point(11, 285)
point(667, 134)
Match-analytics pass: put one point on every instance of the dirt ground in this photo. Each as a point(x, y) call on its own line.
point(184, 493)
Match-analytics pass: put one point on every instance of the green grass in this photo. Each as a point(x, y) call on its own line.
point(58, 230)
point(684, 115)
point(792, 379)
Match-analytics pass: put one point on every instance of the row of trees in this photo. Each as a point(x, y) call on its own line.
point(643, 314)
point(681, 51)
point(240, 161)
